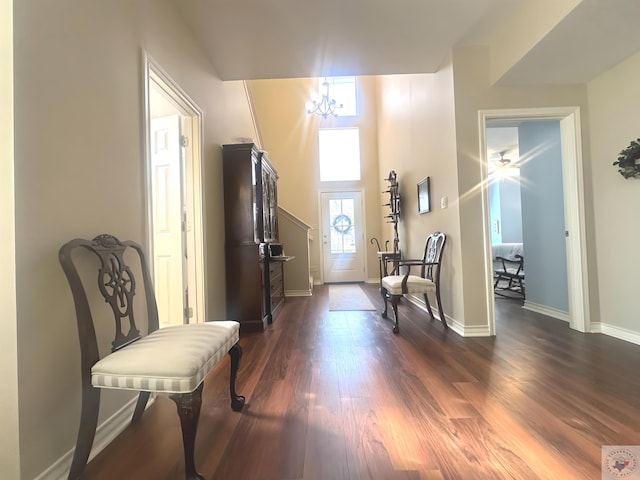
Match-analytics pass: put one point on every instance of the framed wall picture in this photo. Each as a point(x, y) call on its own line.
point(424, 196)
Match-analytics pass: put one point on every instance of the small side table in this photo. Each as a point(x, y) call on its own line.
point(384, 258)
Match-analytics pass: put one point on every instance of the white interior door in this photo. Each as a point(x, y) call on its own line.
point(343, 249)
point(166, 176)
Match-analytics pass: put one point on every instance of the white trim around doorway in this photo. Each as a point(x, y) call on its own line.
point(321, 232)
point(152, 72)
point(574, 211)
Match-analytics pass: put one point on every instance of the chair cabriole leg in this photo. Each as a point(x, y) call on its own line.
point(237, 401)
point(383, 292)
point(188, 405)
point(395, 299)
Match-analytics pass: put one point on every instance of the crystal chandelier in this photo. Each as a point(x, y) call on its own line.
point(321, 104)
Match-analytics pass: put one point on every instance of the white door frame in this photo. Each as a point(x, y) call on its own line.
point(154, 74)
point(321, 225)
point(574, 211)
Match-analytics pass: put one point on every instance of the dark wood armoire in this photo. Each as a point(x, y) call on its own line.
point(254, 256)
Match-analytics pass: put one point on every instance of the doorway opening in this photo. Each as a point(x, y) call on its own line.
point(570, 206)
point(343, 247)
point(173, 183)
point(526, 208)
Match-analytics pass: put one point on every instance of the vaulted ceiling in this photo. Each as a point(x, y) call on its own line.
point(575, 40)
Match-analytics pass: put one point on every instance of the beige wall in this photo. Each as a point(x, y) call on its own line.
point(519, 26)
point(416, 128)
point(290, 136)
point(79, 172)
point(614, 122)
point(239, 119)
point(294, 235)
point(474, 93)
point(9, 439)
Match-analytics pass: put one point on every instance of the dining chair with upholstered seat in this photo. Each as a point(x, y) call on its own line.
point(427, 281)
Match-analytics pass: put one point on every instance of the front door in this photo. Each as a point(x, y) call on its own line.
point(343, 249)
point(166, 178)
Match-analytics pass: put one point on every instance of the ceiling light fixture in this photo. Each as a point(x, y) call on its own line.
point(321, 104)
point(503, 162)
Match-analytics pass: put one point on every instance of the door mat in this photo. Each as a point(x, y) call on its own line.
point(348, 297)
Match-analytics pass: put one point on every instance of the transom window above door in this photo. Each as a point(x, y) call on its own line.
point(339, 154)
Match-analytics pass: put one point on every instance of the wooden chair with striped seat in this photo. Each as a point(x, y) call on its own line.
point(173, 360)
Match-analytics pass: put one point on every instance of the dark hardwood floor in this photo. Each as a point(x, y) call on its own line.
point(336, 395)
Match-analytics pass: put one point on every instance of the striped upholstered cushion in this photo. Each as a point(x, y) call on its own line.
point(415, 284)
point(171, 360)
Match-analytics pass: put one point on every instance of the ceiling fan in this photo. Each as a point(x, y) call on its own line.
point(503, 166)
point(502, 162)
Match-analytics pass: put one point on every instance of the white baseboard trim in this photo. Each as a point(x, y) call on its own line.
point(106, 432)
point(548, 311)
point(475, 331)
point(616, 332)
point(298, 293)
point(454, 325)
point(604, 328)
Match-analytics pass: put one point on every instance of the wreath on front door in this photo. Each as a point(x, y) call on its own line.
point(342, 224)
point(629, 160)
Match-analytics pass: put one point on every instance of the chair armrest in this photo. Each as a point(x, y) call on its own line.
point(409, 262)
point(417, 263)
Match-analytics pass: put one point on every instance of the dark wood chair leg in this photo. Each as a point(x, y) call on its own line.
point(428, 305)
point(442, 317)
point(395, 299)
point(383, 292)
point(87, 430)
point(143, 398)
point(237, 401)
point(188, 405)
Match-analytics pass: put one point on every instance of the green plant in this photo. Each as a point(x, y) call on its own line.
point(629, 160)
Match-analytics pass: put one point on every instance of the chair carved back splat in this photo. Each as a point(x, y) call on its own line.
point(116, 283)
point(433, 248)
